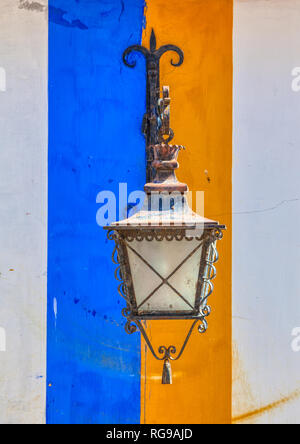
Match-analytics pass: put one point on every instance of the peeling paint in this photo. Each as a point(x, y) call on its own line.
point(207, 176)
point(55, 309)
point(31, 6)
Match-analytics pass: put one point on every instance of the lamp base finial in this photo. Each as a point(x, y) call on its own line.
point(167, 373)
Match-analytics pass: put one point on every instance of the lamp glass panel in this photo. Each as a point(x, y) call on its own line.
point(165, 260)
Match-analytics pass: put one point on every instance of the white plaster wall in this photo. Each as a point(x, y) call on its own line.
point(23, 210)
point(266, 207)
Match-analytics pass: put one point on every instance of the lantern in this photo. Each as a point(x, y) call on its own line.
point(165, 254)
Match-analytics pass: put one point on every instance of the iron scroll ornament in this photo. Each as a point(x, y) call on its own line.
point(151, 128)
point(134, 322)
point(153, 54)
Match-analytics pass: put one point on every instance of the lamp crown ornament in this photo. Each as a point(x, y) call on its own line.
point(164, 165)
point(165, 254)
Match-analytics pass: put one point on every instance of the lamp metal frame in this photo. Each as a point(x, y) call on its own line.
point(161, 161)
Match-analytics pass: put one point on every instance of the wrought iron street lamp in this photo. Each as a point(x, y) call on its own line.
point(165, 254)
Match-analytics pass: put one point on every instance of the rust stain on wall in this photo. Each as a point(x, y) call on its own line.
point(242, 396)
point(267, 407)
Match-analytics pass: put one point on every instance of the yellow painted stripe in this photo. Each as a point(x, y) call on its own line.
point(201, 116)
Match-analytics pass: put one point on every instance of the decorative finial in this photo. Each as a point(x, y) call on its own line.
point(152, 41)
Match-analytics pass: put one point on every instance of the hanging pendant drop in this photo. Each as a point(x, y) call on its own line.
point(167, 373)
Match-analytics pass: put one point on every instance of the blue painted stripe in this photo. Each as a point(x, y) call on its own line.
point(95, 142)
